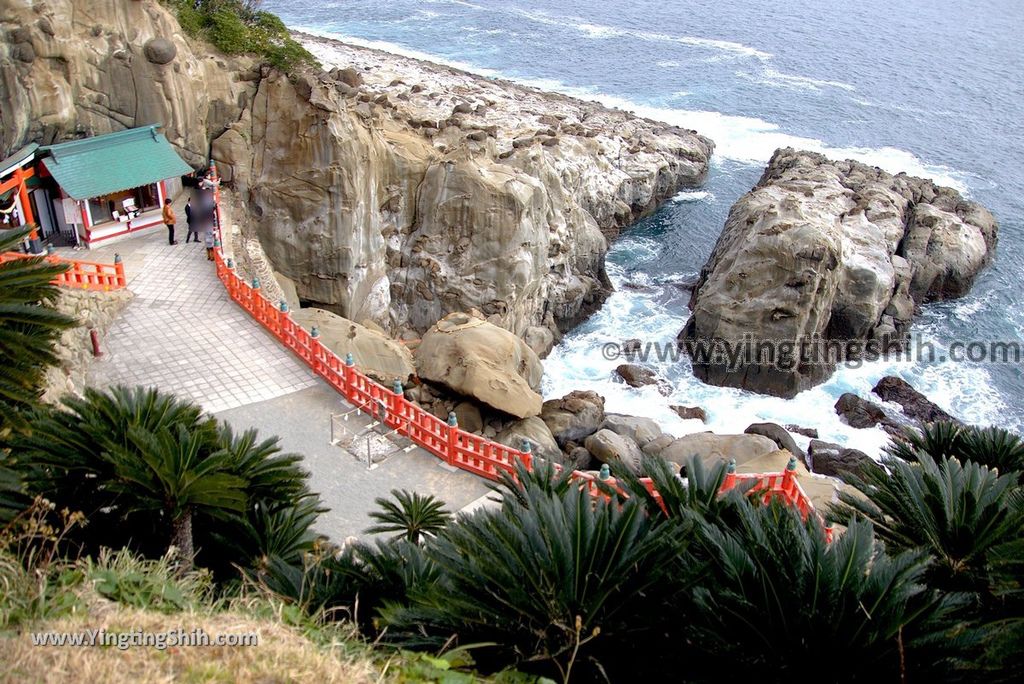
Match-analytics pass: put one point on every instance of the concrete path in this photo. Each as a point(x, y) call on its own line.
point(183, 334)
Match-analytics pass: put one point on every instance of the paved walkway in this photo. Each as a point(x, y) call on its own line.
point(183, 334)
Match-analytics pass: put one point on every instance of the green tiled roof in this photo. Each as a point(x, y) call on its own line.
point(116, 161)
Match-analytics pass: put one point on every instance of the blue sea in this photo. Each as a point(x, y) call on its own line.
point(930, 87)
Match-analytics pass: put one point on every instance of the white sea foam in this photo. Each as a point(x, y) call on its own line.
point(773, 77)
point(692, 196)
point(668, 64)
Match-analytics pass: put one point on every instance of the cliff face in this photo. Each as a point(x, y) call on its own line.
point(826, 251)
point(86, 67)
point(389, 189)
point(403, 191)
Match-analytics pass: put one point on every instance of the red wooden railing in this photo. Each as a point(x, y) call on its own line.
point(81, 275)
point(450, 443)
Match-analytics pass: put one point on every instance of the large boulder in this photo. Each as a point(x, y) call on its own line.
point(480, 360)
point(574, 417)
point(835, 460)
point(779, 435)
point(640, 430)
point(824, 261)
point(915, 405)
point(708, 446)
point(534, 431)
point(375, 354)
point(690, 412)
point(611, 447)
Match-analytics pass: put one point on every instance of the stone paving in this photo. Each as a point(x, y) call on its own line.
point(183, 334)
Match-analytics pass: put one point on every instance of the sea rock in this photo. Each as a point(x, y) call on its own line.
point(640, 430)
point(779, 435)
point(825, 260)
point(690, 412)
point(610, 447)
point(915, 405)
point(578, 458)
point(540, 339)
point(835, 460)
point(377, 355)
point(708, 446)
point(477, 359)
point(806, 432)
point(637, 376)
point(534, 431)
point(861, 413)
point(574, 417)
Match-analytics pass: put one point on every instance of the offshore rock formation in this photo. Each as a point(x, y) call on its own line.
point(822, 250)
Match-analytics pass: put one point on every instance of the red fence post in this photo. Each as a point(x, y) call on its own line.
point(119, 278)
point(730, 476)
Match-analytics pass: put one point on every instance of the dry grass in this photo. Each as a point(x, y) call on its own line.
point(283, 654)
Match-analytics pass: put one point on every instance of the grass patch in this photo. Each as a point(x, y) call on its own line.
point(237, 27)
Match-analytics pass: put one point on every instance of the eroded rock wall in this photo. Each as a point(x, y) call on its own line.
point(70, 68)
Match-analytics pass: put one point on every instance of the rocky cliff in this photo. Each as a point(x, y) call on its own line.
point(823, 252)
point(387, 189)
point(401, 191)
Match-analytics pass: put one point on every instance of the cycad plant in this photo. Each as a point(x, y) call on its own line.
point(993, 447)
point(780, 603)
point(958, 513)
point(556, 580)
point(30, 327)
point(149, 469)
point(412, 515)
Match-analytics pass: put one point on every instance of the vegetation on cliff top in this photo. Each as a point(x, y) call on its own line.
point(238, 27)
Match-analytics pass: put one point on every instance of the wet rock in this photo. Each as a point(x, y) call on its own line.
point(777, 434)
point(859, 413)
point(690, 412)
point(835, 460)
point(637, 376)
point(915, 405)
point(806, 432)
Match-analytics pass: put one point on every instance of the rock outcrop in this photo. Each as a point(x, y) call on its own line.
point(708, 445)
point(85, 67)
point(915, 405)
point(835, 460)
point(822, 258)
point(610, 447)
point(387, 189)
point(476, 359)
point(426, 190)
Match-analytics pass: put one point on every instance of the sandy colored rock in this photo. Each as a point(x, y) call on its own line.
point(574, 417)
point(477, 359)
point(822, 250)
point(708, 446)
point(536, 432)
point(637, 428)
point(377, 355)
point(610, 447)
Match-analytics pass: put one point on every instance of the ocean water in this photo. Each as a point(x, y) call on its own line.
point(930, 87)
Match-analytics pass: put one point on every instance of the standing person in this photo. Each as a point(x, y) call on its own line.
point(210, 241)
point(192, 220)
point(169, 220)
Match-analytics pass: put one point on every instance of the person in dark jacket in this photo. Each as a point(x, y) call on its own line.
point(192, 219)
